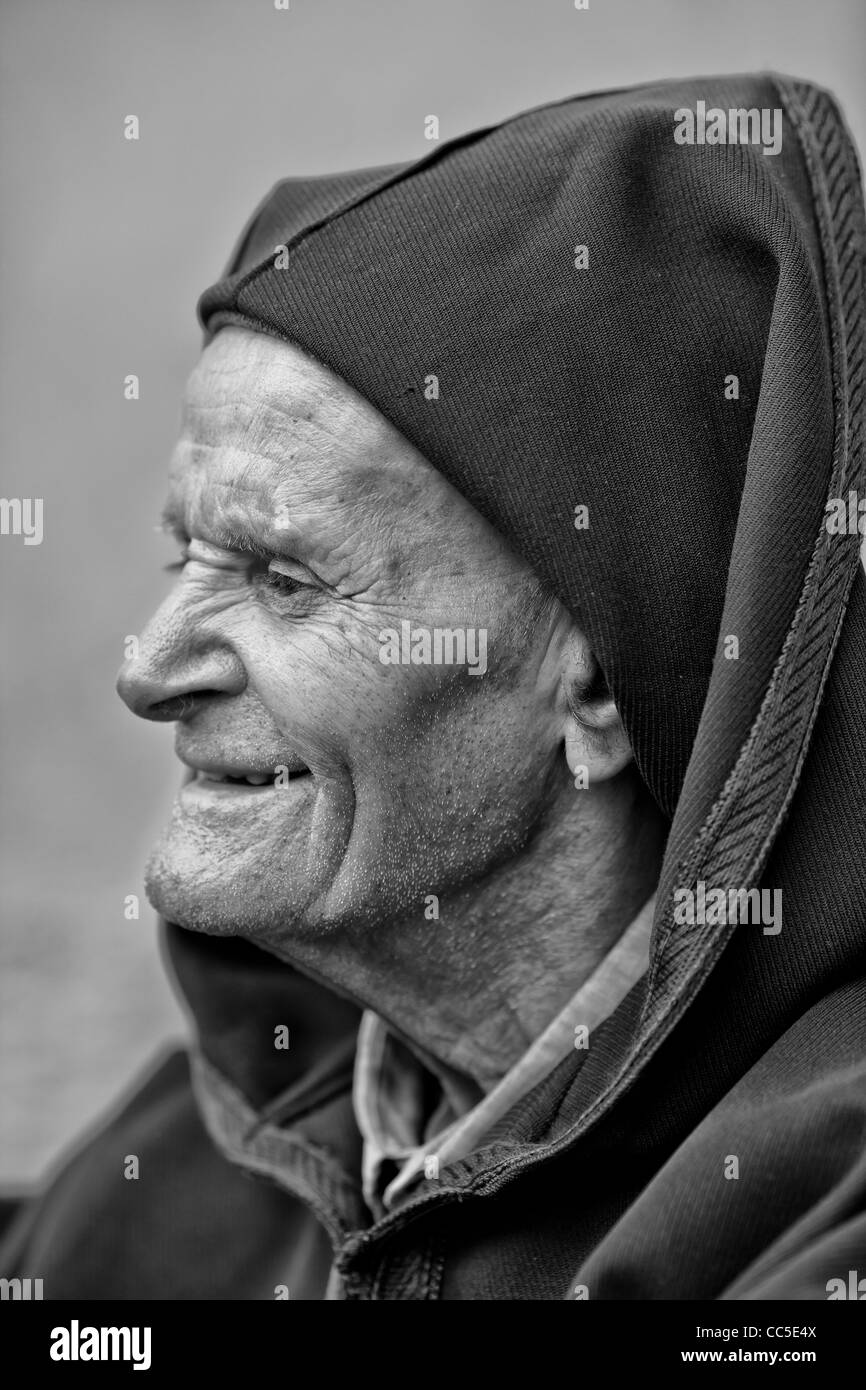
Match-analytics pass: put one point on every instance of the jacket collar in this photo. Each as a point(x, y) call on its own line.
point(390, 1082)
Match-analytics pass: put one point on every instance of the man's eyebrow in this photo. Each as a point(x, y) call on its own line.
point(174, 524)
point(242, 540)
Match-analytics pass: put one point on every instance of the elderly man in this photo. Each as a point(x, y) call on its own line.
point(515, 882)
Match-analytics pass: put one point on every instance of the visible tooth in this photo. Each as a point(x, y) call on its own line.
point(258, 779)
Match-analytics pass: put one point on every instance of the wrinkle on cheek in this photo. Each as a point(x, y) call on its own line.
point(306, 679)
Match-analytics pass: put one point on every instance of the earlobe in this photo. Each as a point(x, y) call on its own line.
point(596, 743)
point(595, 753)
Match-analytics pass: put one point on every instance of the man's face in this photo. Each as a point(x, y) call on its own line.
point(309, 528)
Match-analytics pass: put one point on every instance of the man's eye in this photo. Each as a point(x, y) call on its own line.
point(275, 580)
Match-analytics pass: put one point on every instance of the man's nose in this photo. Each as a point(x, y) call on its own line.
point(176, 669)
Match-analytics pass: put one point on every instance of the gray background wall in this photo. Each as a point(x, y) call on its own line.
point(106, 245)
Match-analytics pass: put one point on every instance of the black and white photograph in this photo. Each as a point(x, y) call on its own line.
point(433, 644)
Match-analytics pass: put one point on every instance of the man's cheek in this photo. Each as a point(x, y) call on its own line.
point(290, 665)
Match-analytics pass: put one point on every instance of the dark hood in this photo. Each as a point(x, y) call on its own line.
point(602, 387)
point(605, 386)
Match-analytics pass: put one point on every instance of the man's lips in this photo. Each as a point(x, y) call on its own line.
point(235, 774)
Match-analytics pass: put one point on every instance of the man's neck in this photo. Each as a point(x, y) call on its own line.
point(476, 986)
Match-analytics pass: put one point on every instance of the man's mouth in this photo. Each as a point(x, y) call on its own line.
point(248, 779)
point(211, 777)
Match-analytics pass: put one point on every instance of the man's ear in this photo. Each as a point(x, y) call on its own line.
point(596, 744)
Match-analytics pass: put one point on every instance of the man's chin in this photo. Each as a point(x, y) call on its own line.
point(204, 898)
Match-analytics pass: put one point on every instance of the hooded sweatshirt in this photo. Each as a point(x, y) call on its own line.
point(643, 313)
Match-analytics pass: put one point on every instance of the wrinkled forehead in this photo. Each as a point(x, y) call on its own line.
point(268, 434)
point(251, 393)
